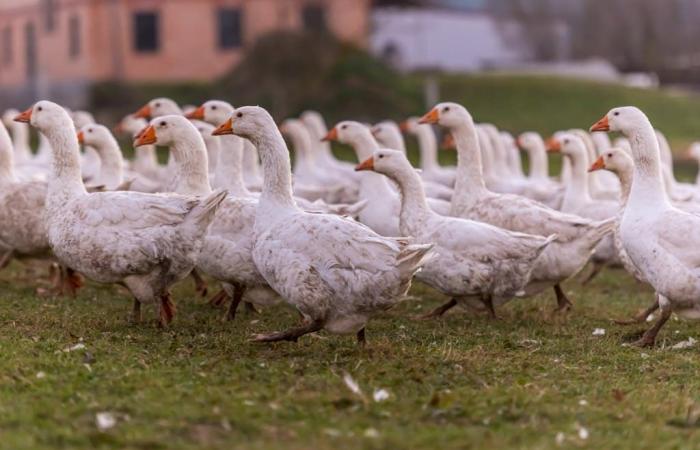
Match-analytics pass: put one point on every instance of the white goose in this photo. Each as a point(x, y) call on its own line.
point(694, 153)
point(476, 264)
point(145, 158)
point(618, 161)
point(388, 135)
point(661, 240)
point(576, 236)
point(336, 272)
point(431, 170)
point(145, 242)
point(577, 198)
point(317, 129)
point(381, 213)
point(541, 187)
point(226, 252)
point(112, 174)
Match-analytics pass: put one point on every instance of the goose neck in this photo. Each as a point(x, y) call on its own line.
point(647, 184)
point(277, 172)
point(191, 166)
point(7, 171)
point(111, 164)
point(229, 166)
point(537, 153)
point(414, 207)
point(65, 179)
point(427, 142)
point(469, 184)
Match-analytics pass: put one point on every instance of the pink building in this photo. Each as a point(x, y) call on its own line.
point(57, 48)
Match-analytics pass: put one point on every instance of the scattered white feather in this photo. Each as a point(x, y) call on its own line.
point(352, 384)
point(583, 433)
point(690, 342)
point(380, 395)
point(105, 420)
point(599, 332)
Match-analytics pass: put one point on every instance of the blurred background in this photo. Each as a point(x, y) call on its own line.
point(522, 64)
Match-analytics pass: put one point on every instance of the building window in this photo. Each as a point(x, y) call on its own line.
point(49, 7)
point(74, 36)
point(146, 32)
point(314, 18)
point(230, 29)
point(7, 46)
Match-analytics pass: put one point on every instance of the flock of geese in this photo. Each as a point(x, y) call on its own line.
point(341, 242)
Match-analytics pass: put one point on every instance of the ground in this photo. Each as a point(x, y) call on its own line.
point(529, 380)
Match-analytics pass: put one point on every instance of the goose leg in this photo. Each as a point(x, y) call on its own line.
point(167, 310)
point(361, 339)
point(488, 303)
point(6, 258)
point(291, 334)
point(563, 302)
point(218, 299)
point(597, 267)
point(200, 286)
point(649, 337)
point(641, 317)
point(440, 310)
point(136, 311)
point(74, 281)
point(238, 291)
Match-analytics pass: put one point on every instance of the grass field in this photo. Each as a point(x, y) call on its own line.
point(529, 380)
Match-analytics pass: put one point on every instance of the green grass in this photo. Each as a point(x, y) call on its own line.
point(460, 382)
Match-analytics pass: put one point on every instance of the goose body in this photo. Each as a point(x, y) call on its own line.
point(476, 264)
point(659, 238)
point(335, 271)
point(147, 242)
point(576, 236)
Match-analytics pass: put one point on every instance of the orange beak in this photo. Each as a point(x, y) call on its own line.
point(331, 136)
point(144, 112)
point(367, 164)
point(431, 117)
point(197, 114)
point(597, 165)
point(601, 125)
point(147, 136)
point(224, 128)
point(24, 116)
point(553, 145)
point(448, 142)
point(403, 126)
point(81, 137)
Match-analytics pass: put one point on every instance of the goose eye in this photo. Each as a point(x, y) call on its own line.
point(616, 113)
point(446, 108)
point(162, 124)
point(610, 155)
point(39, 108)
point(213, 107)
point(157, 105)
point(566, 141)
point(343, 127)
point(240, 114)
point(381, 156)
point(89, 130)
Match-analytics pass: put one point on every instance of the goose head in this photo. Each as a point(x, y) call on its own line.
point(568, 144)
point(95, 135)
point(9, 116)
point(388, 134)
point(157, 107)
point(46, 116)
point(387, 162)
point(130, 124)
point(214, 112)
point(348, 132)
point(529, 140)
point(615, 160)
point(250, 122)
point(625, 119)
point(448, 115)
point(694, 151)
point(81, 118)
point(166, 131)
